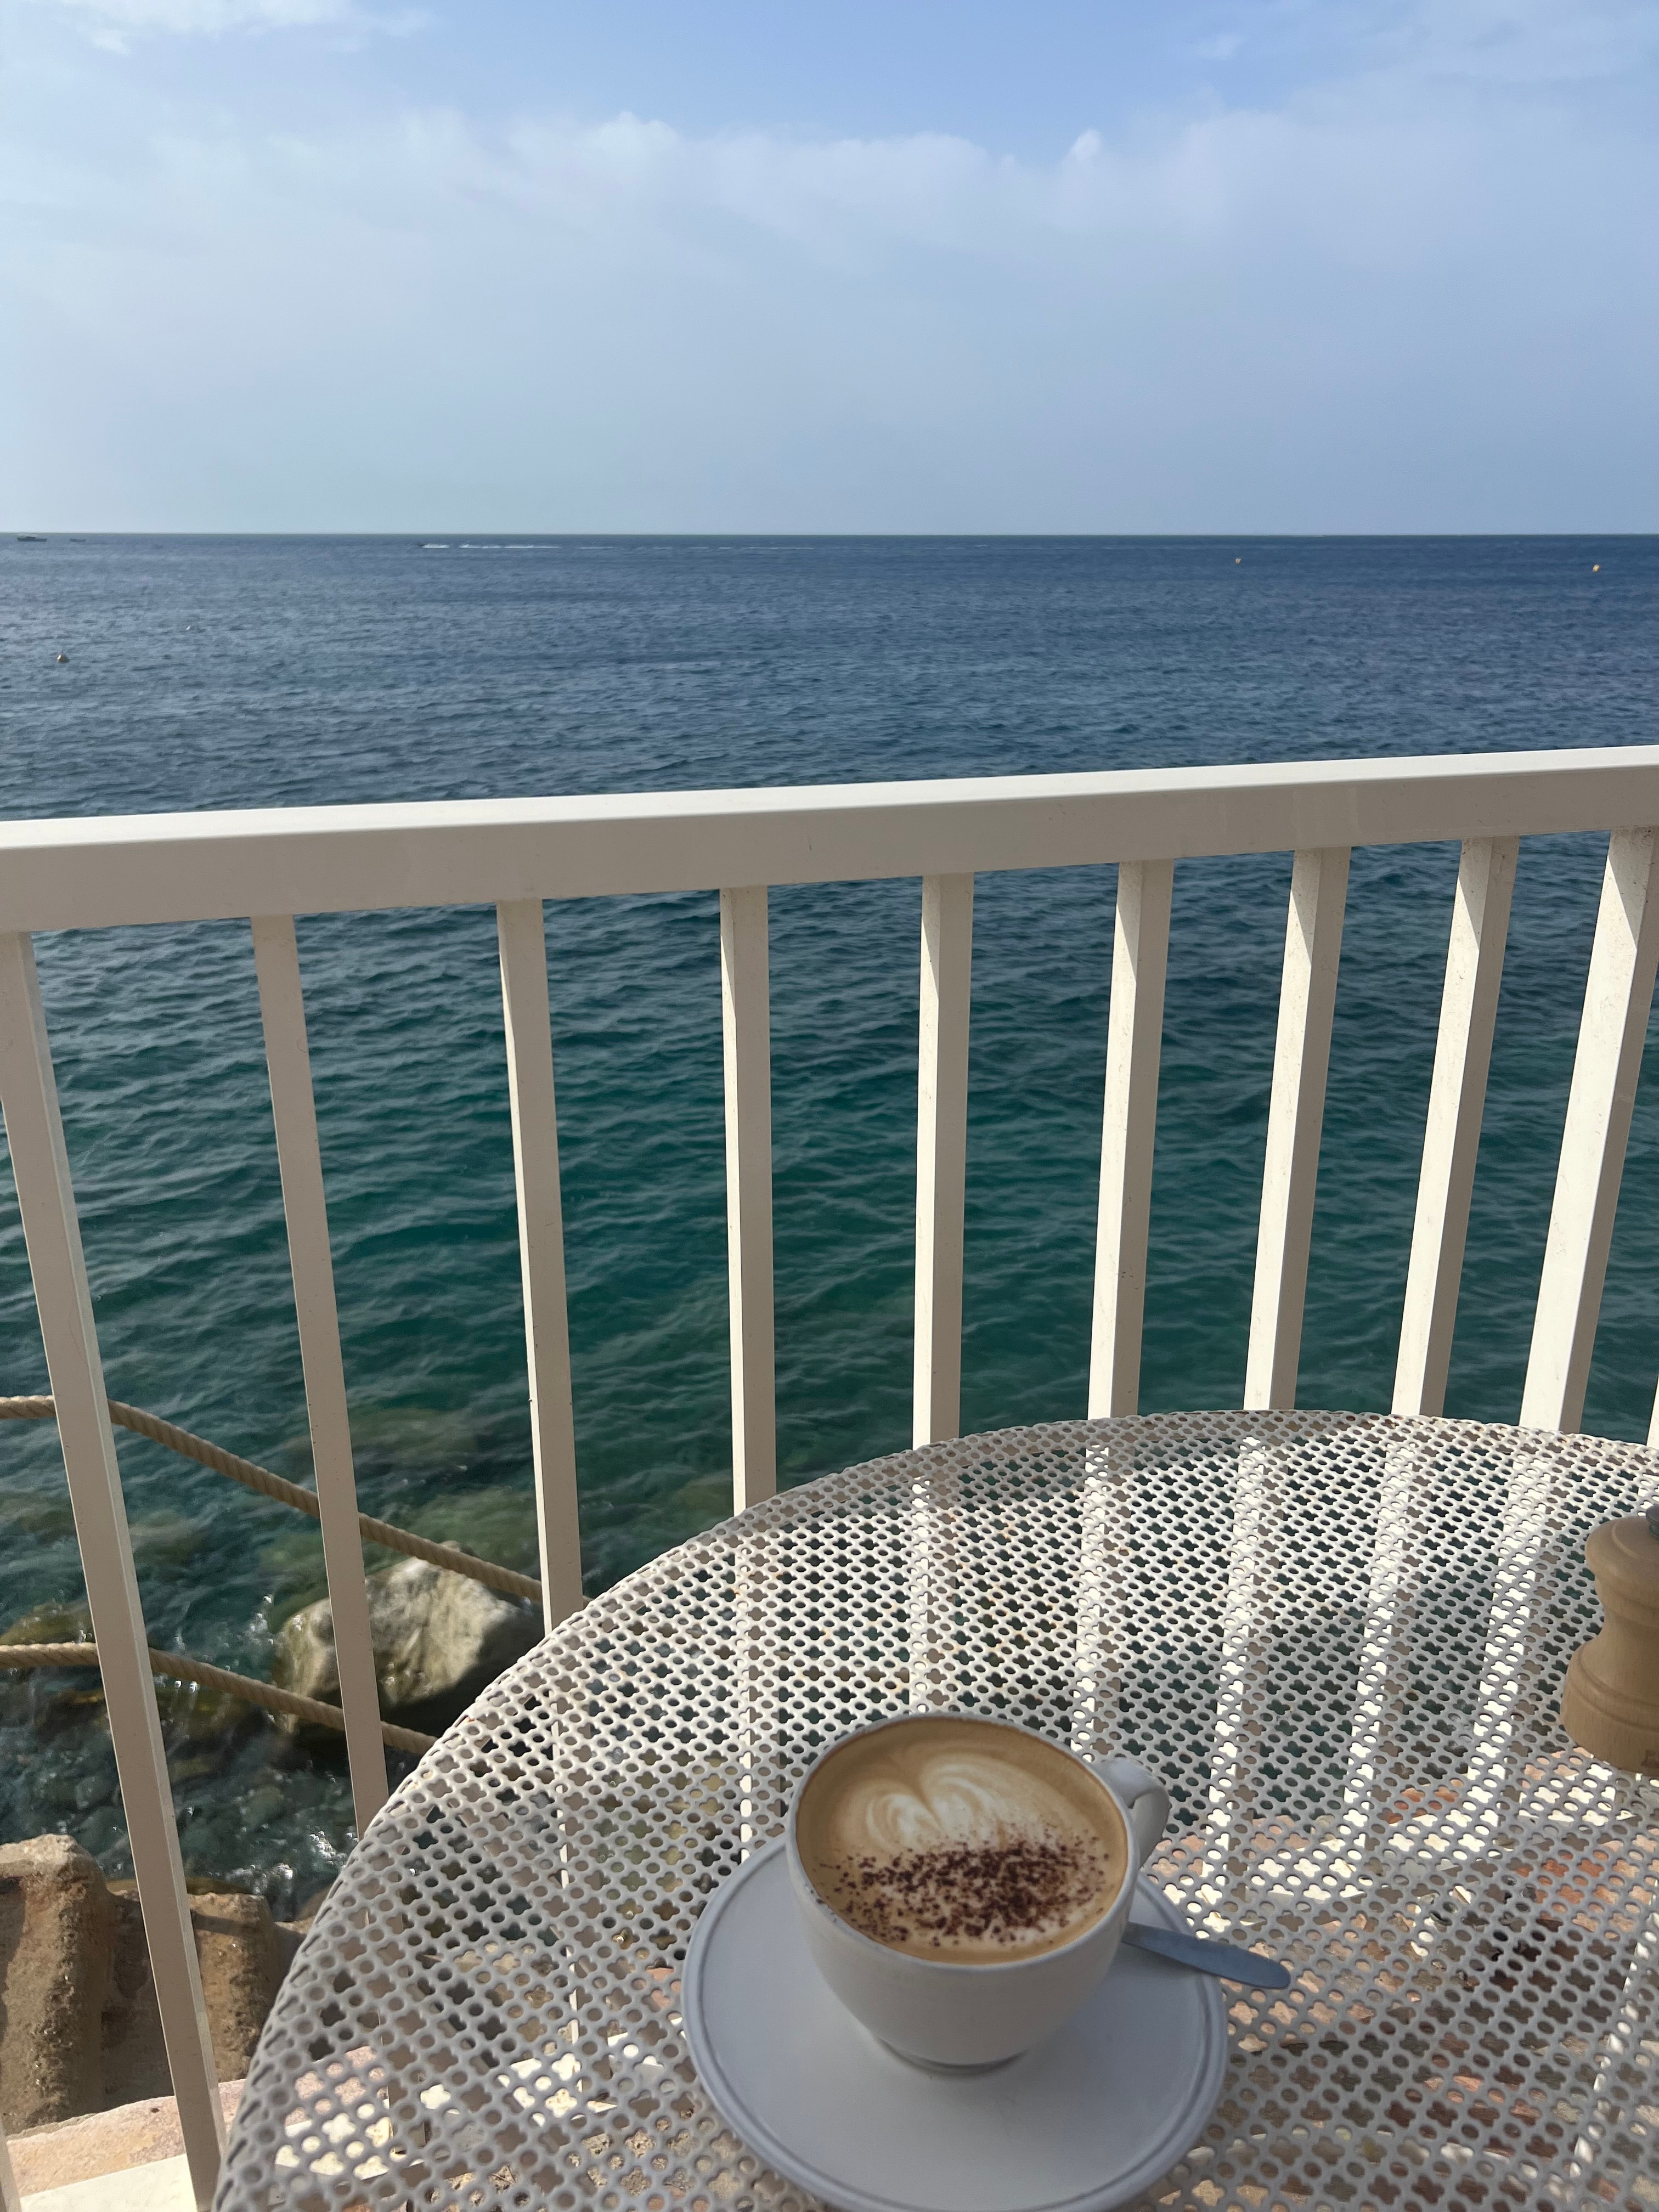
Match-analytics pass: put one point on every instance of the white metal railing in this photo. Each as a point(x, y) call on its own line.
point(274, 864)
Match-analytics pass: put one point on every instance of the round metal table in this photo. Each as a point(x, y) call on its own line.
point(1340, 1638)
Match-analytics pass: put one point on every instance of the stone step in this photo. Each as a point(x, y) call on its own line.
point(79, 2028)
point(131, 2156)
point(163, 2186)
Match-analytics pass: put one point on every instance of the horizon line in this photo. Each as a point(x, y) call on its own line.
point(457, 540)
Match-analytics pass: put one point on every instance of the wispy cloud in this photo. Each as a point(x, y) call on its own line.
point(1535, 42)
point(1410, 295)
point(116, 22)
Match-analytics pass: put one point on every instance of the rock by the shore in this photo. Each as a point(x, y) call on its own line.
point(438, 1638)
point(243, 1955)
point(56, 1925)
point(80, 2030)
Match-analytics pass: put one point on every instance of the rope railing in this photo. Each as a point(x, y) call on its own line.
point(176, 1665)
point(177, 1668)
point(260, 1478)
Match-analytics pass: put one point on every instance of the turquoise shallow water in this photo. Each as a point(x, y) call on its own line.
point(215, 672)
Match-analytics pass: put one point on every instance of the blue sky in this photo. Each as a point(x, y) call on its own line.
point(1364, 264)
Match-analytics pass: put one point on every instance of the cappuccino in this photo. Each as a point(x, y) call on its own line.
point(960, 1840)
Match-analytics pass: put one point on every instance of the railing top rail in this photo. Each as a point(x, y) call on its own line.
point(99, 871)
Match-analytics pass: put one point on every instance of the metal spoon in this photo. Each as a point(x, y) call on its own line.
point(1203, 1952)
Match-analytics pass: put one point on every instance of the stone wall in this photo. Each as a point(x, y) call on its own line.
point(79, 2028)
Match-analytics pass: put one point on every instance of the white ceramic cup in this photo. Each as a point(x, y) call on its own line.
point(950, 2017)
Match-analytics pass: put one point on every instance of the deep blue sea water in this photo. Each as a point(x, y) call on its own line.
point(234, 672)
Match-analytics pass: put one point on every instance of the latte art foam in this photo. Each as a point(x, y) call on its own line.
point(952, 1796)
point(961, 1839)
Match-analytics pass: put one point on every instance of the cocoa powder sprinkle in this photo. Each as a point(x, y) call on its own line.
point(993, 1893)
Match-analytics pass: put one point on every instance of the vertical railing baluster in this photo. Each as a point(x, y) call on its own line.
point(1451, 1138)
point(299, 1156)
point(747, 1025)
point(1614, 1027)
point(1134, 1041)
point(52, 1231)
point(1307, 1002)
point(947, 960)
point(522, 936)
point(1134, 1044)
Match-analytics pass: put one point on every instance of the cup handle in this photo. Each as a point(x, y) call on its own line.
point(1144, 1797)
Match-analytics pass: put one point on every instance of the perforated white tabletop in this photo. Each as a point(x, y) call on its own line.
point(1339, 1637)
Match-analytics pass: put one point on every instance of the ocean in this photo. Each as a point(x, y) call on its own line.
point(216, 673)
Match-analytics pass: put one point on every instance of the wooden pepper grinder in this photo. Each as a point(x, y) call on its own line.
point(1610, 1699)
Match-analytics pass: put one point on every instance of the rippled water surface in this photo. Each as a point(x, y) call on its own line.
point(231, 672)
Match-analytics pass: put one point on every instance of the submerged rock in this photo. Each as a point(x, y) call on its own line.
point(57, 1621)
point(60, 1697)
point(438, 1638)
point(192, 1714)
point(53, 1697)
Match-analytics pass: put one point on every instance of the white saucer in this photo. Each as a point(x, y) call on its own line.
point(1088, 2120)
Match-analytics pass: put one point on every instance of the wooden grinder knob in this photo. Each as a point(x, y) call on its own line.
point(1610, 1699)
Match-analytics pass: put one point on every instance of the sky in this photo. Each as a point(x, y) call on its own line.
point(1177, 265)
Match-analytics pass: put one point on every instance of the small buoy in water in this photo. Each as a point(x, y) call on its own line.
point(1595, 568)
point(1238, 562)
point(62, 656)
